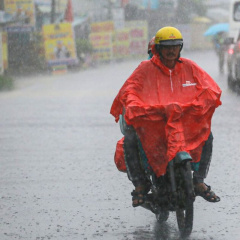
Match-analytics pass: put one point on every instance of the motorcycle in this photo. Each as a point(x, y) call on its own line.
point(173, 192)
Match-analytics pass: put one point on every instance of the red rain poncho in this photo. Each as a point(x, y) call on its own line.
point(171, 110)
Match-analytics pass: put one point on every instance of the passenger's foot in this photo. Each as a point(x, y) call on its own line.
point(203, 190)
point(139, 195)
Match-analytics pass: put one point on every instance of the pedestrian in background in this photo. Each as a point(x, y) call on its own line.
point(220, 48)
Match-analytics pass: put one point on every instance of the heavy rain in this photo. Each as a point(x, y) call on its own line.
point(62, 63)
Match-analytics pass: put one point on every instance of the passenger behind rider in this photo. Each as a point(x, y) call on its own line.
point(168, 43)
point(150, 45)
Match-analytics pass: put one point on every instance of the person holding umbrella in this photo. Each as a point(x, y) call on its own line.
point(218, 33)
point(220, 48)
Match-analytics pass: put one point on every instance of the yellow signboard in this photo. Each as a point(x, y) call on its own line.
point(101, 39)
point(121, 43)
point(138, 33)
point(22, 10)
point(59, 44)
point(108, 44)
point(4, 50)
point(102, 45)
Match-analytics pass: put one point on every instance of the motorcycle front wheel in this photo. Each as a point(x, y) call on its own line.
point(185, 215)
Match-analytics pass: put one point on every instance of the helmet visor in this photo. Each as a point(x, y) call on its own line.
point(171, 42)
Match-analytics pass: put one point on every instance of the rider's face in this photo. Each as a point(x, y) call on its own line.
point(170, 52)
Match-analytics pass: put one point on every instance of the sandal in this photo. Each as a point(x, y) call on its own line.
point(139, 195)
point(208, 194)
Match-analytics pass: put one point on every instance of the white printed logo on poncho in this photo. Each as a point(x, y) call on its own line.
point(188, 83)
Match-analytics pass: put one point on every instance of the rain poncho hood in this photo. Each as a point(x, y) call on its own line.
point(171, 110)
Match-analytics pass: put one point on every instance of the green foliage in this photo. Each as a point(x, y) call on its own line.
point(83, 46)
point(37, 56)
point(6, 82)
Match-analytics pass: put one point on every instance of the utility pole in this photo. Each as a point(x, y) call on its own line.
point(53, 11)
point(2, 5)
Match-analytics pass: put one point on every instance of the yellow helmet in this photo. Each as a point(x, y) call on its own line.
point(168, 36)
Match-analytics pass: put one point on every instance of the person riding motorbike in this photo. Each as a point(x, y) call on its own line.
point(167, 105)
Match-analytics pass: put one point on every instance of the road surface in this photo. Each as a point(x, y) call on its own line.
point(57, 175)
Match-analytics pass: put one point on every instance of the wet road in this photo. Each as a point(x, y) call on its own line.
point(57, 175)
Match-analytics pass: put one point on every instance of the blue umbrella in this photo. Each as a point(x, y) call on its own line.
point(216, 28)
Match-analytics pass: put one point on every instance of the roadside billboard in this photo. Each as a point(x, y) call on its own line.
point(138, 37)
point(121, 43)
point(23, 12)
point(102, 45)
point(109, 42)
point(59, 44)
point(3, 52)
point(101, 39)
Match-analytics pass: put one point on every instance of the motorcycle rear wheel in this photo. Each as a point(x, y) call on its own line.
point(185, 216)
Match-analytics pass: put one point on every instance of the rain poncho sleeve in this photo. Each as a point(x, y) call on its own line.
point(131, 99)
point(171, 110)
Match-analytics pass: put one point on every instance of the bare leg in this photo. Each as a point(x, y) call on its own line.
point(198, 176)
